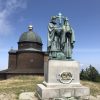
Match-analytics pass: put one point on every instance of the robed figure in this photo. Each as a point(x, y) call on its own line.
point(61, 38)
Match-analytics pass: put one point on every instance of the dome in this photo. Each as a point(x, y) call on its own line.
point(30, 36)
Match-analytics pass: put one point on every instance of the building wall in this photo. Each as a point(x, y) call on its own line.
point(30, 60)
point(27, 62)
point(12, 61)
point(46, 57)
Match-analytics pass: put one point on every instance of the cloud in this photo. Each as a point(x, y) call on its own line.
point(7, 8)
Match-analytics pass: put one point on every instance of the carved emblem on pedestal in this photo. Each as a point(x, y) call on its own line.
point(65, 77)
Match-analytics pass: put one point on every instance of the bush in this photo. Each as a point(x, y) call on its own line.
point(90, 74)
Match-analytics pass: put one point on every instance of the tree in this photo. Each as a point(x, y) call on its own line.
point(90, 74)
point(82, 74)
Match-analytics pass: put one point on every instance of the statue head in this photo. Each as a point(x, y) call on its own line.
point(53, 17)
point(65, 21)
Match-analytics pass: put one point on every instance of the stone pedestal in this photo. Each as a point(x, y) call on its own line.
point(61, 81)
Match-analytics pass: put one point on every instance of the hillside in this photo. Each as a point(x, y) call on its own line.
point(12, 87)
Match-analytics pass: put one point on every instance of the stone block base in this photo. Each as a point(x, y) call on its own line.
point(61, 80)
point(46, 93)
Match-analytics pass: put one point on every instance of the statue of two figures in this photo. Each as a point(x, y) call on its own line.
point(60, 38)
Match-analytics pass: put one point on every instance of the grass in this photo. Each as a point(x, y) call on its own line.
point(94, 87)
point(19, 84)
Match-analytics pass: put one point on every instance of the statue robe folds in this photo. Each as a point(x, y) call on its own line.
point(67, 39)
point(51, 31)
point(53, 38)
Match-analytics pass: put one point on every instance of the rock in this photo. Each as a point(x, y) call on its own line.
point(31, 96)
point(84, 98)
point(98, 97)
point(92, 97)
point(27, 96)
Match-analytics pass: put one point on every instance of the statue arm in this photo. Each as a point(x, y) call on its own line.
point(73, 35)
point(72, 38)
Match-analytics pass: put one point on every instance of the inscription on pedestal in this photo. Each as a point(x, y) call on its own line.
point(65, 77)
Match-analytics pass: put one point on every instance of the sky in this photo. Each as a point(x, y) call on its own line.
point(83, 16)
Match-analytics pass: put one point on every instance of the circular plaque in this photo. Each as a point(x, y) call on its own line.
point(65, 77)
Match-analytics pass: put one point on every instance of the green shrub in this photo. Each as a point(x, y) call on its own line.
point(90, 74)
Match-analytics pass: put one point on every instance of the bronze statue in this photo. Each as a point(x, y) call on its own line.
point(60, 38)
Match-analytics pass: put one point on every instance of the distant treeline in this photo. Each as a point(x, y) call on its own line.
point(90, 74)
